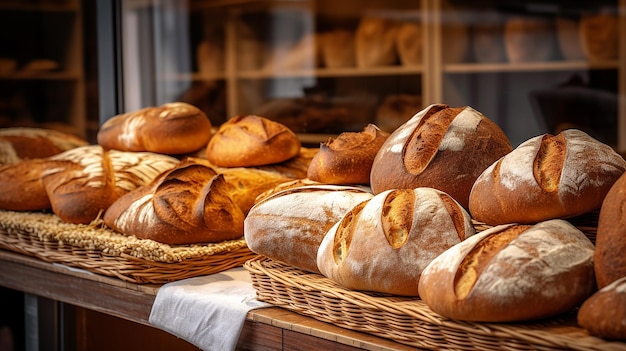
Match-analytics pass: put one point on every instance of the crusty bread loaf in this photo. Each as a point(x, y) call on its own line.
point(511, 273)
point(172, 128)
point(337, 48)
point(397, 109)
point(94, 178)
point(22, 186)
point(375, 42)
point(348, 158)
point(610, 258)
point(384, 244)
point(604, 313)
point(440, 147)
point(546, 177)
point(246, 141)
point(599, 36)
point(18, 144)
point(188, 204)
point(289, 225)
point(529, 39)
point(409, 43)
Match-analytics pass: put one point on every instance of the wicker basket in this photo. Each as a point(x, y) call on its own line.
point(406, 320)
point(106, 252)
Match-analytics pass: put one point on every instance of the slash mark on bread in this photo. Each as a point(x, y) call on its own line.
point(549, 161)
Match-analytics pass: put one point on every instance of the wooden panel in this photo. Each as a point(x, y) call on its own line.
point(257, 336)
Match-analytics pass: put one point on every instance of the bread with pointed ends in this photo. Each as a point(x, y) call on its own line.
point(348, 158)
point(546, 177)
point(511, 273)
point(174, 128)
point(188, 204)
point(289, 225)
point(610, 258)
point(384, 244)
point(440, 147)
point(246, 141)
point(83, 188)
point(604, 313)
point(17, 144)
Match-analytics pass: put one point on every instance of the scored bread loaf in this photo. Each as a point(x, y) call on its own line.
point(348, 158)
point(18, 144)
point(511, 273)
point(188, 204)
point(546, 177)
point(439, 147)
point(289, 225)
point(172, 128)
point(604, 313)
point(384, 244)
point(246, 141)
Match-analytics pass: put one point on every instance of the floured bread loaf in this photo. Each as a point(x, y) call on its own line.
point(439, 147)
point(18, 144)
point(246, 141)
point(604, 313)
point(188, 204)
point(289, 225)
point(375, 42)
point(384, 244)
point(172, 128)
point(546, 177)
point(348, 158)
point(511, 273)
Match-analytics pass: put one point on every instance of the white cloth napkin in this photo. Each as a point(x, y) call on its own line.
point(207, 311)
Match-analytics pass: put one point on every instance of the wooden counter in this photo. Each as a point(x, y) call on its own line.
point(265, 329)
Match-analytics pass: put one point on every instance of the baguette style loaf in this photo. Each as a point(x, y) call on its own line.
point(289, 225)
point(173, 128)
point(384, 244)
point(440, 147)
point(17, 144)
point(348, 158)
point(188, 204)
point(546, 177)
point(511, 273)
point(604, 313)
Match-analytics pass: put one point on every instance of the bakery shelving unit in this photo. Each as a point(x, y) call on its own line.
point(42, 78)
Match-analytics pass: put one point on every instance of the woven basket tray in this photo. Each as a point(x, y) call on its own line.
point(103, 251)
point(406, 320)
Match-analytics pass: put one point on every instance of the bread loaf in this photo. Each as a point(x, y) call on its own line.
point(609, 259)
point(289, 225)
point(568, 35)
point(82, 189)
point(337, 48)
point(604, 313)
point(375, 42)
point(409, 43)
point(487, 39)
point(529, 39)
point(599, 35)
point(22, 186)
point(546, 177)
point(384, 244)
point(246, 141)
point(348, 158)
point(18, 144)
point(440, 147)
point(511, 273)
point(397, 109)
point(188, 204)
point(172, 128)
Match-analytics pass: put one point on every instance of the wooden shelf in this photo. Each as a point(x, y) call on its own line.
point(528, 66)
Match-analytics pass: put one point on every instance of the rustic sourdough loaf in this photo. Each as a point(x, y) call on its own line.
point(511, 273)
point(17, 144)
point(384, 244)
point(604, 313)
point(546, 177)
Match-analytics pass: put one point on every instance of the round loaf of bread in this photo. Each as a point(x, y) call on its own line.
point(17, 144)
point(246, 141)
point(383, 244)
point(610, 258)
point(440, 147)
point(348, 158)
point(546, 177)
point(289, 225)
point(173, 128)
point(511, 273)
point(604, 313)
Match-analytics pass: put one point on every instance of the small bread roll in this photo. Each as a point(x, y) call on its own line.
point(246, 141)
point(348, 158)
point(511, 273)
point(375, 42)
point(289, 225)
point(384, 244)
point(439, 147)
point(604, 313)
point(172, 128)
point(599, 35)
point(546, 177)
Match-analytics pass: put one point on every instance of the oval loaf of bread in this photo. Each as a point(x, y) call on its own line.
point(384, 244)
point(17, 144)
point(173, 128)
point(511, 273)
point(548, 176)
point(289, 225)
point(604, 313)
point(440, 147)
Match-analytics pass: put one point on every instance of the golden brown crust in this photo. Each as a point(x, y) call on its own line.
point(604, 313)
point(17, 144)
